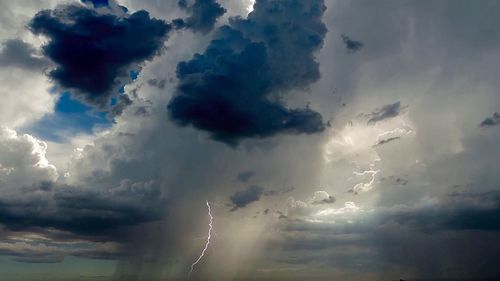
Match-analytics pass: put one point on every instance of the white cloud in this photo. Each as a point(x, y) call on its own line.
point(25, 97)
point(23, 161)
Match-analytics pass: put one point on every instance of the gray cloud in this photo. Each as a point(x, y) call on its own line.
point(29, 250)
point(241, 199)
point(17, 53)
point(385, 112)
point(82, 210)
point(490, 121)
point(351, 45)
point(280, 191)
point(385, 141)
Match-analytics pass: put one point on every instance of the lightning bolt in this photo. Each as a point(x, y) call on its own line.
point(210, 227)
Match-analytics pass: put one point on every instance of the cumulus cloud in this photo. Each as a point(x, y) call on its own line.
point(23, 160)
point(95, 52)
point(19, 88)
point(233, 90)
point(203, 15)
point(322, 197)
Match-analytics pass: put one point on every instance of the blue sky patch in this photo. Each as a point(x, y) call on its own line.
point(71, 117)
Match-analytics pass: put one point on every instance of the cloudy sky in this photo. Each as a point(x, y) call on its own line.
point(249, 140)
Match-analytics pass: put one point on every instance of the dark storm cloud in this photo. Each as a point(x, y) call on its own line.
point(385, 141)
point(351, 45)
point(94, 53)
point(235, 89)
point(241, 199)
point(203, 15)
point(82, 210)
point(17, 53)
point(385, 112)
point(491, 121)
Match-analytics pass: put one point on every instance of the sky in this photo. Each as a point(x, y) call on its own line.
point(249, 140)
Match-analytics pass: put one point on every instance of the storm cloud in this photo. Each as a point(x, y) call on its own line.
point(32, 197)
point(95, 52)
point(425, 175)
point(81, 210)
point(431, 227)
point(235, 89)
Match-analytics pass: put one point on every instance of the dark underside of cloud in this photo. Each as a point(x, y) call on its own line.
point(460, 231)
point(241, 199)
point(235, 89)
point(17, 53)
point(454, 212)
point(82, 210)
point(491, 121)
point(459, 212)
point(94, 52)
point(203, 15)
point(385, 112)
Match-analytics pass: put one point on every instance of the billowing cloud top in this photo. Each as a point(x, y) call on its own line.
point(234, 89)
